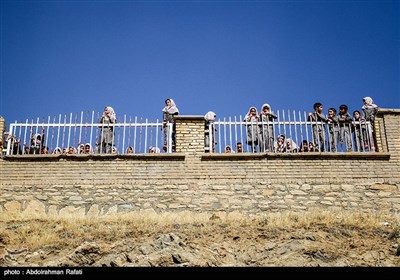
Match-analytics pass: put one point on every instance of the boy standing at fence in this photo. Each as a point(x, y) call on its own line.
point(359, 132)
point(333, 129)
point(345, 121)
point(318, 121)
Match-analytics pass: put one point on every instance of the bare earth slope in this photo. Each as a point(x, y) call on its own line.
point(285, 239)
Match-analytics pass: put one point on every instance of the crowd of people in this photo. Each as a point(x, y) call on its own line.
point(328, 131)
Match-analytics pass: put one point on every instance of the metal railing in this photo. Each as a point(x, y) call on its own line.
point(296, 133)
point(83, 134)
point(71, 133)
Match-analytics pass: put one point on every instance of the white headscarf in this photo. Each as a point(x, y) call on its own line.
point(172, 109)
point(155, 150)
point(368, 103)
point(210, 116)
point(293, 145)
point(265, 105)
point(252, 116)
point(112, 112)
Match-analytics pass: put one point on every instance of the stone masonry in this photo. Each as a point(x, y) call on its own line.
point(191, 180)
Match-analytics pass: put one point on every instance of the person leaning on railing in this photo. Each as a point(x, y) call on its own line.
point(318, 128)
point(208, 124)
point(333, 129)
point(169, 112)
point(15, 144)
point(252, 118)
point(37, 143)
point(359, 130)
point(266, 128)
point(369, 112)
point(345, 120)
point(107, 131)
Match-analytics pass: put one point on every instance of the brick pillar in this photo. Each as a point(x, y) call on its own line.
point(2, 130)
point(190, 134)
point(387, 125)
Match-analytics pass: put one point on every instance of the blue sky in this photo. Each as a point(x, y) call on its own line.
point(225, 56)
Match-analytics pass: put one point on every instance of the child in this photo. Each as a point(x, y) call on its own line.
point(107, 130)
point(318, 119)
point(209, 132)
point(279, 144)
point(359, 132)
point(266, 128)
point(345, 121)
point(252, 118)
point(369, 112)
point(333, 129)
point(169, 112)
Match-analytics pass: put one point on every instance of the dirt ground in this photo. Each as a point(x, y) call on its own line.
point(213, 243)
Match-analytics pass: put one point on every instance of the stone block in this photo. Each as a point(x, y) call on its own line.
point(13, 207)
point(35, 207)
point(71, 211)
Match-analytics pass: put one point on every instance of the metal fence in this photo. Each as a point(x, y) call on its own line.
point(290, 132)
point(82, 134)
point(70, 134)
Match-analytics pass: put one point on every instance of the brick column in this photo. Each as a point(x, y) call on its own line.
point(190, 135)
point(2, 130)
point(387, 125)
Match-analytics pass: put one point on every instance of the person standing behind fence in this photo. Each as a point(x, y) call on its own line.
point(209, 130)
point(369, 113)
point(239, 147)
point(169, 112)
point(359, 132)
point(15, 144)
point(107, 131)
point(279, 145)
point(345, 120)
point(252, 118)
point(318, 129)
point(266, 128)
point(37, 143)
point(333, 129)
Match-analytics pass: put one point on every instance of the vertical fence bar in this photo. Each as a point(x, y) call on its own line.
point(134, 134)
point(145, 136)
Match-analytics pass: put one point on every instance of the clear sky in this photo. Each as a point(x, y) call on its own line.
point(224, 56)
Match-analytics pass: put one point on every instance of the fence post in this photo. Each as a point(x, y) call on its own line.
point(190, 134)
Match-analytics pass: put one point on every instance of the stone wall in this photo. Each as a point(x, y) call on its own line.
point(191, 180)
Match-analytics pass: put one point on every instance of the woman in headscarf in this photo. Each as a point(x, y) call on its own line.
point(37, 143)
point(228, 149)
point(369, 112)
point(154, 150)
point(369, 109)
point(267, 128)
point(252, 118)
point(279, 144)
point(107, 131)
point(209, 130)
point(169, 112)
point(291, 146)
point(87, 149)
